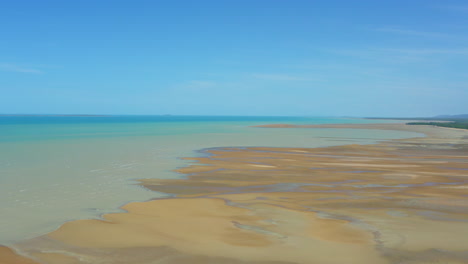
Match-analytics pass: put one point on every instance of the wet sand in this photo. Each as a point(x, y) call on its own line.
point(399, 201)
point(8, 256)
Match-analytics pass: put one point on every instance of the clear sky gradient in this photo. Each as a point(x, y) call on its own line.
point(234, 57)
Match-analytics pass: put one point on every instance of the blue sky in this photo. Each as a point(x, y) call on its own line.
point(234, 57)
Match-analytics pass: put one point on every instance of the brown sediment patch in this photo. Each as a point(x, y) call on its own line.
point(394, 202)
point(8, 256)
point(211, 228)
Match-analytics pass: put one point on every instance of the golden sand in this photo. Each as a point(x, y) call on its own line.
point(8, 256)
point(401, 201)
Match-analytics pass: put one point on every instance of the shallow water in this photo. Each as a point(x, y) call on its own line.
point(56, 169)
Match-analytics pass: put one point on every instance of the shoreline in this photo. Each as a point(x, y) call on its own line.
point(220, 194)
point(377, 126)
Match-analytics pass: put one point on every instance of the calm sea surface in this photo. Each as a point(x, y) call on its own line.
point(56, 169)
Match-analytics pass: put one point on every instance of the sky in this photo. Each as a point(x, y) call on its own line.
point(234, 57)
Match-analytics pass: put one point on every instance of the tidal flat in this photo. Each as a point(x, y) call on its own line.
point(398, 201)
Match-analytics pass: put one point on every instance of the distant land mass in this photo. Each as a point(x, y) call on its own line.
point(462, 116)
point(433, 118)
point(451, 121)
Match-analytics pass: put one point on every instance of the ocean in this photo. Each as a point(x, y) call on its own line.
point(55, 169)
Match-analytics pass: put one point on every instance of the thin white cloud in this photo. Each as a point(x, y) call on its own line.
point(415, 33)
point(17, 68)
point(280, 77)
point(463, 51)
point(400, 55)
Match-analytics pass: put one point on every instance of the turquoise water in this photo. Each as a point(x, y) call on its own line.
point(57, 169)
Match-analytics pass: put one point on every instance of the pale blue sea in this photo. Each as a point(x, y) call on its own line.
point(57, 169)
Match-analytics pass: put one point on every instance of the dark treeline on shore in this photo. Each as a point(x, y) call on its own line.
point(453, 121)
point(463, 124)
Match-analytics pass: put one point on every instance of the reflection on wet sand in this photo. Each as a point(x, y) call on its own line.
point(402, 201)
